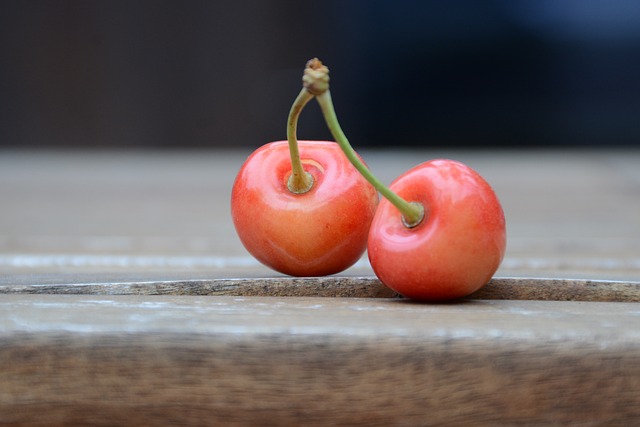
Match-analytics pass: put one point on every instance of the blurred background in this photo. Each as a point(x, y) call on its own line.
point(204, 74)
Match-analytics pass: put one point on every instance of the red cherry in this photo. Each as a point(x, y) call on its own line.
point(458, 245)
point(439, 233)
point(319, 232)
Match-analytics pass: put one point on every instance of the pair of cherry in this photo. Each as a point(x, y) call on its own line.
point(311, 208)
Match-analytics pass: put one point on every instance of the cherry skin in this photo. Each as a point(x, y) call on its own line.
point(320, 232)
point(455, 249)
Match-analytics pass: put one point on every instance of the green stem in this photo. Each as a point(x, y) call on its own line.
point(412, 213)
point(300, 181)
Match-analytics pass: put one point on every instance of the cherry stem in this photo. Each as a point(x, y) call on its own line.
point(316, 81)
point(300, 181)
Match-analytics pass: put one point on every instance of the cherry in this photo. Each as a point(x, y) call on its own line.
point(439, 233)
point(300, 207)
point(458, 245)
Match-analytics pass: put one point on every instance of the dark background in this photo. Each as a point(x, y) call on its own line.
point(190, 74)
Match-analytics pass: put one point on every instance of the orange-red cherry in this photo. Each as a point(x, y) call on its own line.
point(455, 249)
point(319, 232)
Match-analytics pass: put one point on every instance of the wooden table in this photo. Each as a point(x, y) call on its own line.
point(127, 299)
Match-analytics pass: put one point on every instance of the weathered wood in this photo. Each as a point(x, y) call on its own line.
point(131, 360)
point(559, 290)
point(154, 216)
point(363, 287)
point(337, 286)
point(152, 330)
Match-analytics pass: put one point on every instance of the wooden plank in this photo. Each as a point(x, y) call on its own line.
point(343, 286)
point(135, 360)
point(154, 216)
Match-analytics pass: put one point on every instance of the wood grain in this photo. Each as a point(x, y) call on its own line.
point(197, 361)
point(336, 286)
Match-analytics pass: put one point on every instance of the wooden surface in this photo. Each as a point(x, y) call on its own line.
point(126, 299)
point(119, 216)
point(245, 361)
point(344, 286)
